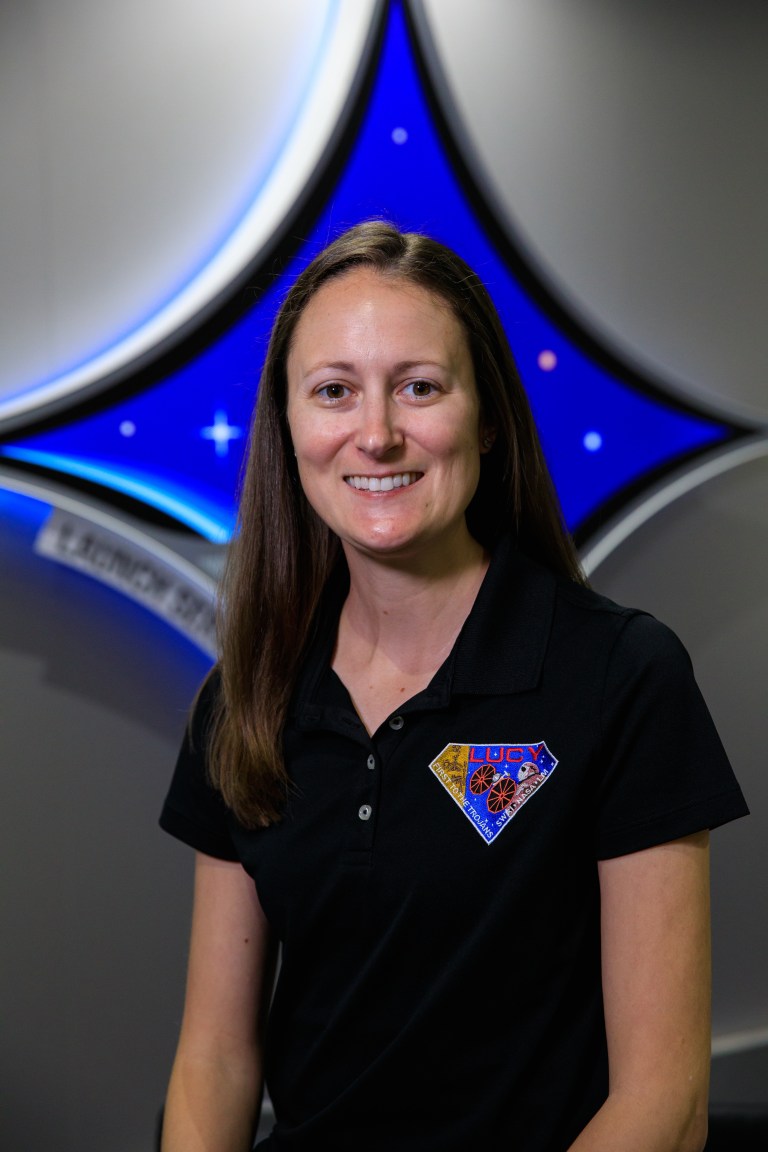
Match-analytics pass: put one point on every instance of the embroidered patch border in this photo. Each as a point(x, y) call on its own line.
point(492, 782)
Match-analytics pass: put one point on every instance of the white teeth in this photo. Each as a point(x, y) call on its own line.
point(382, 483)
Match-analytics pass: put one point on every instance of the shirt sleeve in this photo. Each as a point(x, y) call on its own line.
point(665, 771)
point(194, 810)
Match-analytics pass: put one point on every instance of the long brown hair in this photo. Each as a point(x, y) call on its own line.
point(282, 554)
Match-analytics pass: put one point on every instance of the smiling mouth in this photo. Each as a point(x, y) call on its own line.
point(383, 483)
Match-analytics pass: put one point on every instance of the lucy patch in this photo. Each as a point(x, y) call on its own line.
point(491, 782)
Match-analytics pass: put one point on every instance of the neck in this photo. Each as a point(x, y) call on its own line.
point(411, 610)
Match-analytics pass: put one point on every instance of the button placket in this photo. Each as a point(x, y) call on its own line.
point(366, 812)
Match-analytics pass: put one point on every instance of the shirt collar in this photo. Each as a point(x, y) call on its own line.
point(500, 649)
point(502, 646)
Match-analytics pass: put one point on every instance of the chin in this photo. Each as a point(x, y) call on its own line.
point(382, 543)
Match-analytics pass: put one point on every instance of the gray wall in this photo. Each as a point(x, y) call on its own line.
point(623, 144)
point(94, 898)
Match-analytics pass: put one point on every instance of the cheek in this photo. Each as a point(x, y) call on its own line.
point(318, 451)
point(461, 447)
point(313, 440)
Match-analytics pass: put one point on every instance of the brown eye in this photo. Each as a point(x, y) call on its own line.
point(421, 388)
point(333, 391)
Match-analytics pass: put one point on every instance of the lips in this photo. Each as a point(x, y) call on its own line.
point(383, 483)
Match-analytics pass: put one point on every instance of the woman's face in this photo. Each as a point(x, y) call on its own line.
point(385, 416)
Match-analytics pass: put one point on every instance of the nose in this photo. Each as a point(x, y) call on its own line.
point(379, 430)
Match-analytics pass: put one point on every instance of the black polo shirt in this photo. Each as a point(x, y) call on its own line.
point(435, 886)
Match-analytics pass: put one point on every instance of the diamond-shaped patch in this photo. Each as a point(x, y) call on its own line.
point(491, 782)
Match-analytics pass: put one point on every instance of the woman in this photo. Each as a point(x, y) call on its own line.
point(426, 768)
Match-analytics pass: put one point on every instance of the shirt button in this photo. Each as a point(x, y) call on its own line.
point(371, 761)
point(364, 811)
point(396, 723)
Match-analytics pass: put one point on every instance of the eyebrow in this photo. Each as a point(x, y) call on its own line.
point(335, 365)
point(348, 366)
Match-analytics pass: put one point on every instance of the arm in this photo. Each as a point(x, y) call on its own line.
point(656, 989)
point(215, 1088)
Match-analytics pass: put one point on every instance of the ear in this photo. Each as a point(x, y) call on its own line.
point(487, 438)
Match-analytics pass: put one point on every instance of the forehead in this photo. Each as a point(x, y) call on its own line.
point(365, 297)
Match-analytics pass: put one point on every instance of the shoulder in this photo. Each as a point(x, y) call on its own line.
point(633, 633)
point(616, 649)
point(204, 706)
point(194, 810)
